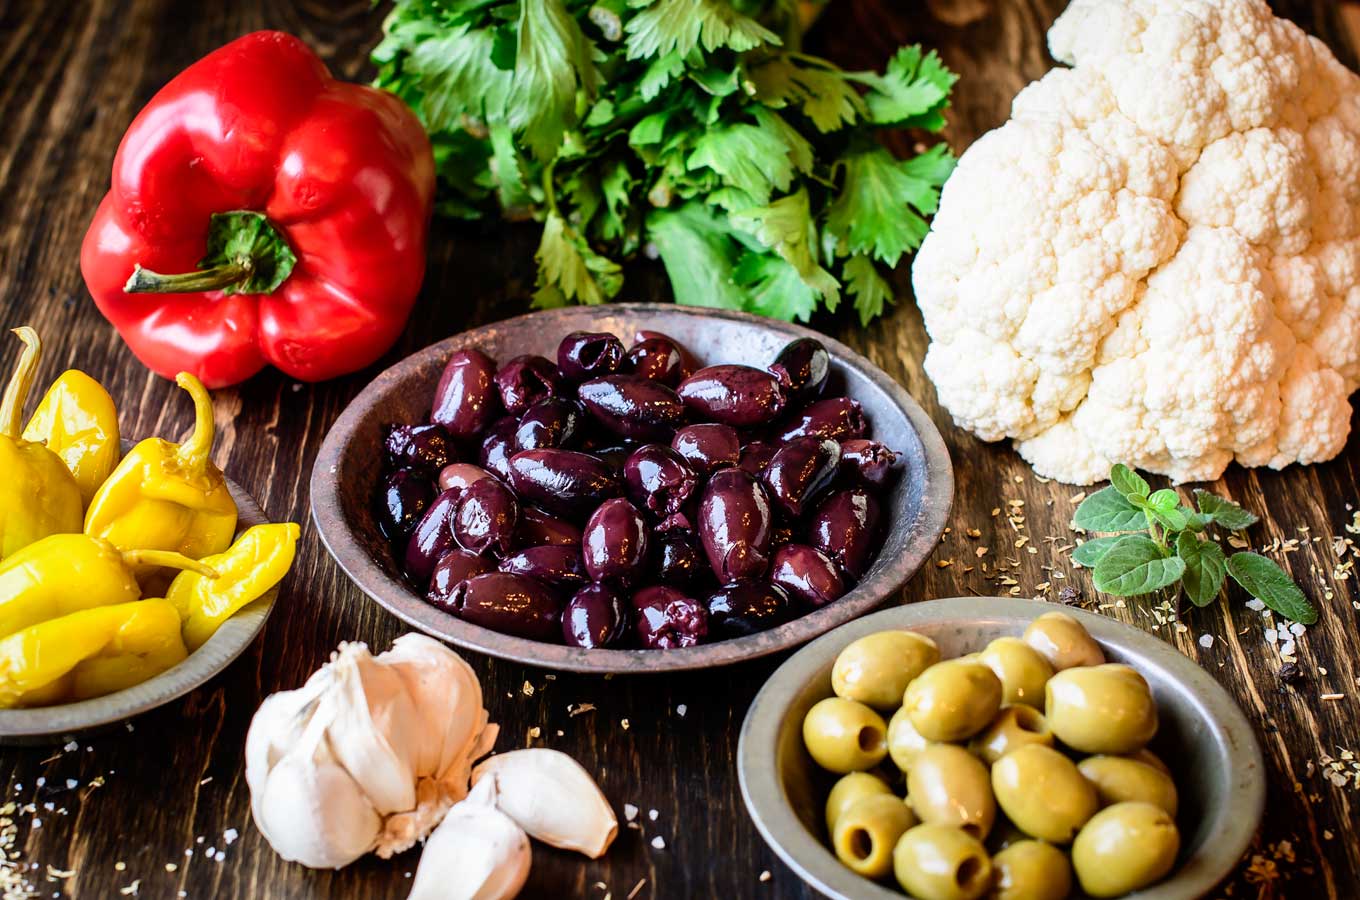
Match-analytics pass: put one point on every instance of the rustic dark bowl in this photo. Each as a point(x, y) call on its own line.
point(1203, 737)
point(350, 461)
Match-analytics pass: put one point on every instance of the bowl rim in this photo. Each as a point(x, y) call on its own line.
point(762, 790)
point(372, 579)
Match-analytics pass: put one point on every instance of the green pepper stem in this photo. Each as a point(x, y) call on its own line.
point(214, 278)
point(167, 558)
point(16, 392)
point(193, 453)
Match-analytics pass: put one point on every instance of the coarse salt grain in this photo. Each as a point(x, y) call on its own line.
point(1297, 629)
point(630, 811)
point(1255, 604)
point(71, 784)
point(1206, 641)
point(41, 781)
point(1287, 648)
point(71, 747)
point(652, 814)
point(659, 842)
point(1271, 635)
point(681, 709)
point(230, 836)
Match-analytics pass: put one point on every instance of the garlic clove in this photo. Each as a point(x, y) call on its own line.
point(476, 853)
point(375, 728)
point(276, 728)
point(553, 798)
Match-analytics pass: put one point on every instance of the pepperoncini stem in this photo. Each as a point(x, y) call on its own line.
point(167, 558)
point(16, 392)
point(193, 453)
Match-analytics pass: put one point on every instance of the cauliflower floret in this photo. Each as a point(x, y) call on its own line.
point(1157, 259)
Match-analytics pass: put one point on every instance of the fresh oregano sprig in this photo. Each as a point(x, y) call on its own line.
point(1151, 540)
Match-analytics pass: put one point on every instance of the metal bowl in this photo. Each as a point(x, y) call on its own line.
point(1203, 737)
point(57, 724)
point(348, 466)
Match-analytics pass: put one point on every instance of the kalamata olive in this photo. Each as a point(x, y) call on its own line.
point(806, 574)
point(838, 418)
point(460, 475)
point(677, 559)
point(614, 541)
point(466, 400)
point(498, 446)
point(432, 538)
point(800, 472)
point(615, 455)
point(802, 367)
point(677, 521)
point(755, 456)
point(658, 479)
point(708, 447)
point(486, 517)
point(551, 422)
point(510, 604)
point(595, 616)
point(658, 359)
point(562, 481)
point(428, 447)
point(537, 528)
point(584, 354)
point(550, 564)
point(685, 355)
point(664, 618)
point(402, 498)
point(633, 407)
point(525, 380)
point(453, 569)
point(746, 607)
point(734, 525)
point(845, 528)
point(741, 396)
point(866, 462)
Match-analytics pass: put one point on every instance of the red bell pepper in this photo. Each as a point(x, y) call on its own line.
point(278, 215)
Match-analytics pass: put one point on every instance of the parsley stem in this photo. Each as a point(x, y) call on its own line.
point(549, 194)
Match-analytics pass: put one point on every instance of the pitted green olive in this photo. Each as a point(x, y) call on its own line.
point(1101, 709)
point(1013, 726)
point(845, 736)
point(1041, 791)
point(1147, 756)
point(947, 785)
point(1022, 669)
point(876, 669)
point(939, 862)
point(1031, 870)
point(849, 790)
point(867, 832)
point(953, 700)
point(1063, 641)
point(1125, 847)
point(904, 741)
point(1119, 779)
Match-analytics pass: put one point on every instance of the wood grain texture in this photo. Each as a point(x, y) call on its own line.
point(77, 72)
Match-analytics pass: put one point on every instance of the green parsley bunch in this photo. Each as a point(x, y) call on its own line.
point(694, 128)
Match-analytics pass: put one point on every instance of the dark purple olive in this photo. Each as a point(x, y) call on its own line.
point(486, 517)
point(658, 479)
point(658, 359)
point(537, 528)
point(498, 446)
point(550, 564)
point(510, 604)
point(562, 481)
point(633, 407)
point(428, 447)
point(664, 618)
point(740, 396)
point(734, 525)
point(867, 462)
point(551, 422)
point(453, 569)
point(525, 380)
point(432, 538)
point(845, 528)
point(806, 574)
point(755, 456)
point(685, 356)
point(677, 560)
point(583, 354)
point(802, 367)
point(800, 472)
point(401, 501)
point(595, 616)
point(614, 541)
point(746, 607)
point(679, 521)
point(838, 418)
point(708, 447)
point(465, 401)
point(460, 475)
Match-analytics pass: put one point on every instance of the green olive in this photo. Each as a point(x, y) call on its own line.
point(1042, 792)
point(904, 741)
point(876, 669)
point(937, 862)
point(947, 785)
point(1003, 834)
point(1063, 641)
point(845, 736)
point(1031, 870)
point(849, 790)
point(1101, 709)
point(1021, 668)
point(1118, 779)
point(1147, 756)
point(1013, 726)
point(867, 832)
point(953, 700)
point(1125, 847)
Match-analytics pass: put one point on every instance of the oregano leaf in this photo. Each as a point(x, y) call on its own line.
point(1224, 512)
point(1128, 482)
point(1136, 565)
point(1089, 552)
point(1171, 519)
point(1107, 510)
point(1205, 568)
point(1164, 499)
point(1267, 582)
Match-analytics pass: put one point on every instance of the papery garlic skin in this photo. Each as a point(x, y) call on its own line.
point(553, 798)
point(476, 853)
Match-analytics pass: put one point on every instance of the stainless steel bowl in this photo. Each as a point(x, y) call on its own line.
point(1203, 737)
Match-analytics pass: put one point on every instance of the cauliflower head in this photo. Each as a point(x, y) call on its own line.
point(1156, 261)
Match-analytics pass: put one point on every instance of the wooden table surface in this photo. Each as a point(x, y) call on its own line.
point(160, 808)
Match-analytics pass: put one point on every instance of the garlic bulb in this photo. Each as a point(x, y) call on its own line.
point(476, 853)
point(553, 798)
point(368, 755)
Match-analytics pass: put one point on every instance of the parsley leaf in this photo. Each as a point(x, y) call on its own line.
point(699, 255)
point(679, 26)
point(876, 210)
point(570, 269)
point(912, 92)
point(870, 289)
point(553, 58)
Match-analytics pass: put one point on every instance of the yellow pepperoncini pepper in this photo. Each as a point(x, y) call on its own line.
point(77, 421)
point(38, 495)
point(167, 496)
point(65, 573)
point(88, 653)
point(255, 563)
